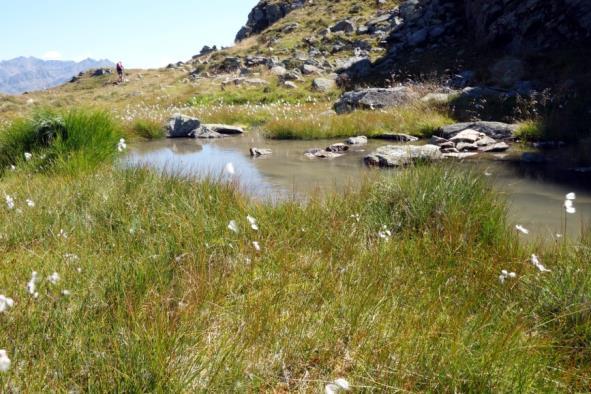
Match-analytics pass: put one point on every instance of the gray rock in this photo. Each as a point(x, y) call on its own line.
point(361, 140)
point(224, 129)
point(346, 26)
point(321, 154)
point(336, 148)
point(467, 136)
point(323, 84)
point(395, 137)
point(257, 152)
point(181, 126)
point(374, 98)
point(290, 85)
point(486, 141)
point(435, 140)
point(399, 156)
point(466, 147)
point(496, 130)
point(308, 69)
point(205, 133)
point(460, 156)
point(279, 71)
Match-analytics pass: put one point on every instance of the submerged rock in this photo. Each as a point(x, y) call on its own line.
point(335, 148)
point(390, 156)
point(256, 152)
point(361, 140)
point(395, 137)
point(181, 126)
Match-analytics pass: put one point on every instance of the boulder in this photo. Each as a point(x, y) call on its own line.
point(289, 85)
point(361, 140)
point(485, 141)
point(206, 133)
point(438, 141)
point(390, 156)
point(181, 126)
point(346, 26)
point(323, 84)
point(374, 98)
point(256, 152)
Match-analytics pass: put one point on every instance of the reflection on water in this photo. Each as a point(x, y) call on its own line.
point(535, 192)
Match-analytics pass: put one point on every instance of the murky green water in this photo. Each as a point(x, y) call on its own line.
point(535, 192)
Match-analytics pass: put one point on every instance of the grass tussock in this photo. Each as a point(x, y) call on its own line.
point(73, 141)
point(165, 297)
point(148, 129)
point(417, 120)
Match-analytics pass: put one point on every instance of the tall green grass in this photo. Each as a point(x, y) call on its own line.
point(76, 140)
point(165, 298)
point(417, 120)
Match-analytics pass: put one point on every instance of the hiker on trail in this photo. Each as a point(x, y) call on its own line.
point(120, 71)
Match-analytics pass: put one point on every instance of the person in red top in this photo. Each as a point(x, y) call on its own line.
point(120, 70)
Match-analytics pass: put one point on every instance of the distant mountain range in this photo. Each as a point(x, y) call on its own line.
point(26, 74)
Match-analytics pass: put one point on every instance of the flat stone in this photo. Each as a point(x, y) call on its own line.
point(466, 147)
point(496, 148)
point(256, 152)
point(486, 141)
point(390, 156)
point(468, 136)
point(224, 129)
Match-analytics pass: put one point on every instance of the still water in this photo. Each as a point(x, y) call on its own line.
point(535, 192)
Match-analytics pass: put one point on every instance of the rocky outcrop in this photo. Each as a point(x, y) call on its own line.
point(266, 13)
point(463, 140)
point(374, 98)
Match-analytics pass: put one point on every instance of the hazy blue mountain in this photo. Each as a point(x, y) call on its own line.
point(26, 74)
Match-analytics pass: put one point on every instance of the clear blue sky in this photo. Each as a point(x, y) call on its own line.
point(141, 33)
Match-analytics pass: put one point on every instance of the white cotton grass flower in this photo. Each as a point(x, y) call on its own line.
point(9, 202)
point(569, 206)
point(230, 169)
point(32, 285)
point(356, 217)
point(4, 361)
point(233, 226)
point(256, 246)
point(12, 167)
point(63, 234)
point(66, 293)
point(5, 303)
point(337, 386)
point(535, 260)
point(506, 275)
point(54, 278)
point(28, 156)
point(571, 196)
point(253, 223)
point(30, 203)
point(385, 233)
point(522, 229)
point(122, 145)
